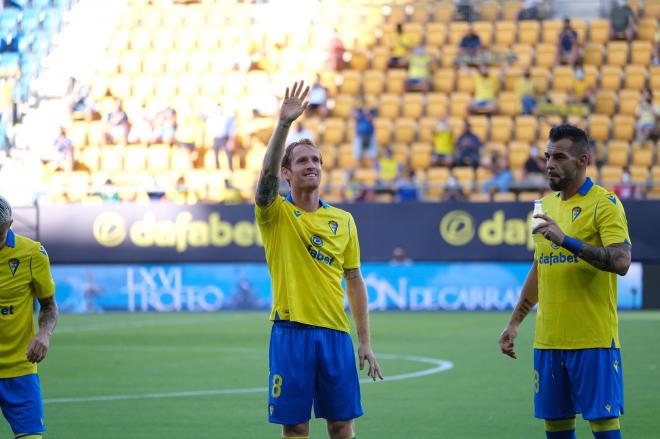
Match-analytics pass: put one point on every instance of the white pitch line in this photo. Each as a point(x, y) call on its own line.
point(440, 366)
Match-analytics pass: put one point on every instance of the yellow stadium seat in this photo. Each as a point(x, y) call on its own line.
point(111, 159)
point(526, 127)
point(90, 157)
point(343, 107)
point(165, 86)
point(540, 75)
point(481, 175)
point(501, 128)
point(420, 156)
point(546, 55)
point(464, 177)
point(599, 31)
point(510, 9)
point(610, 78)
point(511, 77)
point(508, 103)
point(366, 176)
point(485, 31)
point(359, 60)
point(456, 125)
point(140, 40)
point(599, 127)
point(420, 14)
point(628, 101)
point(457, 29)
point(436, 34)
point(383, 130)
point(652, 8)
point(505, 33)
point(524, 54)
point(545, 124)
point(180, 159)
point(345, 160)
point(413, 105)
point(334, 131)
point(436, 179)
point(158, 158)
point(594, 54)
point(458, 104)
point(492, 147)
point(504, 197)
point(480, 126)
point(655, 77)
point(396, 80)
point(449, 54)
point(436, 105)
point(489, 10)
point(131, 63)
point(642, 156)
point(639, 174)
point(624, 127)
point(642, 52)
point(379, 58)
point(404, 130)
point(415, 32)
point(351, 81)
point(528, 32)
point(479, 197)
point(163, 40)
point(388, 106)
point(444, 80)
point(551, 29)
point(635, 77)
point(208, 38)
point(617, 53)
point(329, 155)
point(400, 153)
point(605, 102)
point(647, 29)
point(610, 175)
point(617, 153)
point(374, 82)
point(562, 78)
point(95, 133)
point(77, 133)
point(465, 81)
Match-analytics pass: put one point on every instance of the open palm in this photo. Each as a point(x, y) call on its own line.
point(294, 102)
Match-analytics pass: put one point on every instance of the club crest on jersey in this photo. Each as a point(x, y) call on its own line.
point(333, 226)
point(576, 212)
point(297, 213)
point(42, 250)
point(13, 265)
point(317, 241)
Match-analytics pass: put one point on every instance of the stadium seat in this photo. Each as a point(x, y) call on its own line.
point(652, 8)
point(528, 32)
point(551, 29)
point(510, 9)
point(647, 29)
point(436, 105)
point(628, 101)
point(540, 75)
point(443, 12)
point(465, 178)
point(420, 14)
point(655, 77)
point(505, 33)
point(404, 130)
point(492, 147)
point(518, 154)
point(449, 54)
point(359, 60)
point(489, 10)
point(639, 175)
point(546, 55)
point(599, 31)
point(562, 78)
point(351, 82)
point(111, 159)
point(334, 131)
point(343, 106)
point(383, 130)
point(158, 158)
point(388, 106)
point(610, 175)
point(374, 82)
point(642, 155)
point(617, 53)
point(436, 34)
point(480, 126)
point(420, 156)
point(501, 128)
point(504, 197)
point(610, 78)
point(379, 59)
point(456, 125)
point(479, 197)
point(90, 157)
point(458, 104)
point(617, 153)
point(525, 129)
point(624, 127)
point(396, 81)
point(346, 157)
point(594, 54)
point(605, 102)
point(599, 127)
point(457, 29)
point(485, 31)
point(366, 176)
point(465, 81)
point(444, 80)
point(436, 179)
point(524, 54)
point(413, 105)
point(414, 31)
point(401, 153)
point(508, 103)
point(641, 53)
point(635, 77)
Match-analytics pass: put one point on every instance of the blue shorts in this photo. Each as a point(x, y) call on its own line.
point(20, 400)
point(587, 381)
point(311, 366)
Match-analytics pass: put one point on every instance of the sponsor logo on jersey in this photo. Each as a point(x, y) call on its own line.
point(557, 258)
point(320, 256)
point(317, 241)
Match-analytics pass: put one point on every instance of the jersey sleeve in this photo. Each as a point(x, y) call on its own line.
point(42, 280)
point(269, 214)
point(611, 221)
point(352, 251)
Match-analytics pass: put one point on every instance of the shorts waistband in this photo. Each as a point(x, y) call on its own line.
point(290, 324)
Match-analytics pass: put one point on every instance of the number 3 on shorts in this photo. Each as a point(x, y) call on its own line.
point(276, 387)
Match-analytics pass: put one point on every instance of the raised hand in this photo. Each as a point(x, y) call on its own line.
point(294, 102)
point(549, 229)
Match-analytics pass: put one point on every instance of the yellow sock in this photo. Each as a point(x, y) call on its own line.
point(600, 425)
point(32, 436)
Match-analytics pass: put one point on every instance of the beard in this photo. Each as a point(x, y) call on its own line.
point(561, 184)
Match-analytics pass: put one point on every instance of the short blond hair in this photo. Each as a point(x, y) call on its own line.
point(5, 211)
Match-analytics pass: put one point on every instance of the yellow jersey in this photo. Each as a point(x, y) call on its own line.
point(577, 306)
point(307, 253)
point(485, 88)
point(24, 273)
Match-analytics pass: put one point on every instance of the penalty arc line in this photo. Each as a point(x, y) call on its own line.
point(440, 366)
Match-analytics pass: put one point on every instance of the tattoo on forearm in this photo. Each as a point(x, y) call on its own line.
point(524, 309)
point(266, 189)
point(48, 315)
point(352, 273)
point(614, 259)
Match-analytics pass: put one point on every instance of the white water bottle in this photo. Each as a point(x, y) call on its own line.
point(538, 210)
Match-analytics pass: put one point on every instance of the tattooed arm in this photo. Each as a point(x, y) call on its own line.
point(529, 296)
point(357, 299)
point(292, 107)
point(613, 258)
point(47, 320)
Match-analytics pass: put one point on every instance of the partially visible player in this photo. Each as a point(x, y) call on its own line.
point(24, 275)
point(577, 359)
point(310, 246)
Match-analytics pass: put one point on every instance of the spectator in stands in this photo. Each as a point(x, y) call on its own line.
point(419, 71)
point(567, 44)
point(399, 258)
point(530, 10)
point(534, 168)
point(141, 127)
point(336, 52)
point(365, 148)
point(443, 145)
point(647, 117)
point(622, 21)
point(470, 46)
point(453, 191)
point(318, 99)
point(626, 189)
point(165, 125)
point(468, 148)
point(9, 42)
point(526, 90)
point(80, 101)
point(407, 188)
point(63, 158)
point(465, 10)
point(299, 133)
point(502, 176)
point(221, 127)
point(486, 85)
point(400, 45)
point(117, 125)
point(389, 171)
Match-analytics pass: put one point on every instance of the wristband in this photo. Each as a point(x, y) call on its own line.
point(573, 245)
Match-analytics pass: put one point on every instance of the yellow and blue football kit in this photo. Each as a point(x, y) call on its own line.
point(24, 273)
point(311, 359)
point(577, 357)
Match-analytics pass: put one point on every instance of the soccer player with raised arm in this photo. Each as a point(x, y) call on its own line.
point(24, 274)
point(310, 246)
point(577, 359)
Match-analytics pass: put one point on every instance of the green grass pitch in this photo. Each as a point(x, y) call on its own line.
point(485, 394)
